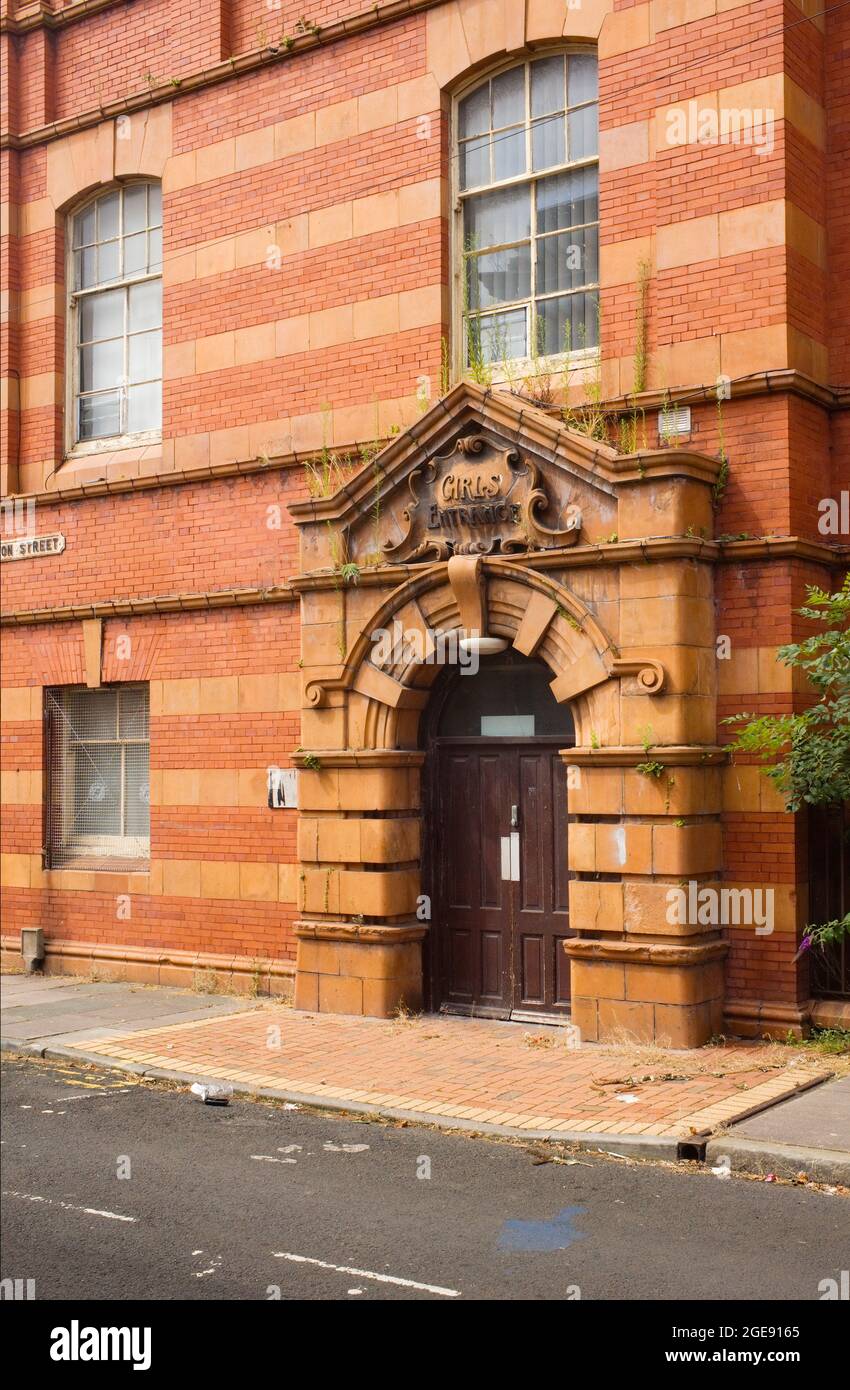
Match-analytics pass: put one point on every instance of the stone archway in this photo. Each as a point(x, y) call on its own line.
point(359, 834)
point(626, 630)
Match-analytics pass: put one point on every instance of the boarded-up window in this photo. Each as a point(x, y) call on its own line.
point(98, 760)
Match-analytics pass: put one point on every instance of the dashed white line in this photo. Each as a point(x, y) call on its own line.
point(95, 1095)
point(366, 1274)
point(69, 1206)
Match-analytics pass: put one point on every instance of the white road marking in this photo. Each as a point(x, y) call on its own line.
point(366, 1274)
point(94, 1095)
point(69, 1206)
point(344, 1148)
point(269, 1158)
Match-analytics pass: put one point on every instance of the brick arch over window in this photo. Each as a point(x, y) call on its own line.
point(137, 145)
point(467, 34)
point(537, 615)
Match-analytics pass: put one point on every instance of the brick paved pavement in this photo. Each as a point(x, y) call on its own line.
point(473, 1070)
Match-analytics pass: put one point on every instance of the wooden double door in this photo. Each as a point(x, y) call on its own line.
point(498, 858)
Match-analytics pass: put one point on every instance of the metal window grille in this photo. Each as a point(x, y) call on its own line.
point(674, 422)
point(829, 897)
point(98, 761)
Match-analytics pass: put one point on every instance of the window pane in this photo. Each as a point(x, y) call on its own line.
point(144, 407)
point(101, 315)
point(507, 688)
point(567, 261)
point(135, 254)
point(582, 78)
point(569, 324)
point(495, 218)
point(135, 208)
point(97, 790)
point(98, 794)
point(146, 305)
point(584, 132)
point(509, 97)
point(107, 217)
point(509, 153)
point(86, 268)
point(145, 356)
point(155, 250)
point(133, 712)
point(100, 416)
point(500, 277)
point(499, 337)
point(92, 714)
point(547, 142)
point(154, 205)
point(547, 86)
point(102, 365)
point(475, 112)
point(137, 817)
point(567, 200)
point(107, 262)
point(84, 227)
point(475, 163)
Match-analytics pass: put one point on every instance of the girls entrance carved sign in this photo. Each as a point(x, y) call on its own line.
point(479, 499)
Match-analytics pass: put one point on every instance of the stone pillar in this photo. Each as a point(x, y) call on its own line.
point(359, 940)
point(642, 963)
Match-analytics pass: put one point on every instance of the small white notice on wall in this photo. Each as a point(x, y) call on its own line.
point(283, 788)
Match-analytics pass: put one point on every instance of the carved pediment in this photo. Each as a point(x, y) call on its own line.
point(481, 473)
point(478, 499)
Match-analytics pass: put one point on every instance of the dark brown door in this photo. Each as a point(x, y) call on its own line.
point(500, 851)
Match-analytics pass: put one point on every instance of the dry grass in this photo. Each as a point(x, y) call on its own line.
point(538, 1040)
point(645, 1061)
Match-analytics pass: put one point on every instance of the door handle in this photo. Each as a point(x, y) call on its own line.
point(514, 817)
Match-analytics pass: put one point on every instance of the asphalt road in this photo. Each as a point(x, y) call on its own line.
point(243, 1201)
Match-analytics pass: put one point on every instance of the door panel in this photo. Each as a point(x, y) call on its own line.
point(489, 802)
point(498, 945)
point(474, 907)
point(542, 917)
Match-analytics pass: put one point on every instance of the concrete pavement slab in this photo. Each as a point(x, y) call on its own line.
point(35, 1011)
point(818, 1119)
point(807, 1134)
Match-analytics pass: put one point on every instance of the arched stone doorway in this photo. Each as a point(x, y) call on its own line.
point(494, 861)
point(613, 596)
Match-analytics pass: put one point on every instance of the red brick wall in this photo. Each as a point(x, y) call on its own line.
point(247, 641)
point(785, 453)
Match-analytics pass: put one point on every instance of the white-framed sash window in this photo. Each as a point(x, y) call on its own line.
point(115, 318)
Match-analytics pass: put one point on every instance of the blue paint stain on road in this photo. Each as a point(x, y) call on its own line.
point(533, 1236)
